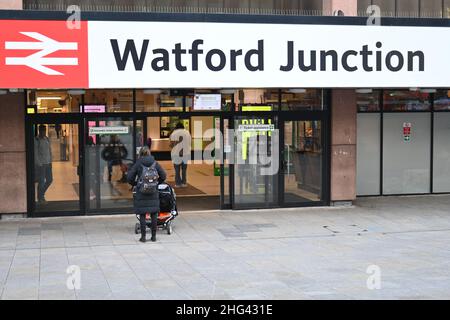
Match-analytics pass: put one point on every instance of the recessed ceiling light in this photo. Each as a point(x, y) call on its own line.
point(363, 90)
point(428, 90)
point(297, 90)
point(49, 98)
point(152, 91)
point(227, 91)
point(76, 92)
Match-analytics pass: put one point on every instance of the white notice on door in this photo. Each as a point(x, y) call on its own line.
point(256, 127)
point(108, 130)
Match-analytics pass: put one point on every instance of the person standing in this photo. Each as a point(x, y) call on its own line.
point(146, 202)
point(43, 162)
point(58, 130)
point(149, 143)
point(180, 141)
point(113, 154)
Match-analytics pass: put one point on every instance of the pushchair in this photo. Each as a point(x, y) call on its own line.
point(168, 210)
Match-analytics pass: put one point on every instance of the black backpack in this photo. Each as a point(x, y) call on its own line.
point(148, 180)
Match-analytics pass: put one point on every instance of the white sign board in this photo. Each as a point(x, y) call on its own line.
point(134, 54)
point(256, 127)
point(94, 108)
point(207, 102)
point(108, 130)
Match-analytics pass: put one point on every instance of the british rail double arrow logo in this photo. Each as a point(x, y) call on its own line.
point(39, 60)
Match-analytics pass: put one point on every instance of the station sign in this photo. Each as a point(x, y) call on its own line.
point(151, 54)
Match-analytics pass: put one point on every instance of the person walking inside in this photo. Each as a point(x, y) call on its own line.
point(144, 176)
point(43, 162)
point(180, 141)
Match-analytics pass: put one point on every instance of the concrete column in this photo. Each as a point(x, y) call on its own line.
point(13, 195)
point(343, 145)
point(343, 125)
point(11, 4)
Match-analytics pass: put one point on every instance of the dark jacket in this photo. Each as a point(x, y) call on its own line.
point(144, 203)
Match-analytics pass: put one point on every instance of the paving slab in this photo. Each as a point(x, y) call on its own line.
point(321, 253)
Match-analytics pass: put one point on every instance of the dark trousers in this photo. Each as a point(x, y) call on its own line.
point(154, 217)
point(110, 169)
point(112, 163)
point(180, 179)
point(45, 179)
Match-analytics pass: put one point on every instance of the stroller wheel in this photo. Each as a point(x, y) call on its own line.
point(137, 228)
point(169, 228)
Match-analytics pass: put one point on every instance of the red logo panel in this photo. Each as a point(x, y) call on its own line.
point(43, 54)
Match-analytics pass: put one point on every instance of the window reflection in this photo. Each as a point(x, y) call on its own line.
point(303, 160)
point(406, 100)
point(52, 101)
point(107, 159)
point(442, 100)
point(158, 101)
point(302, 99)
point(369, 101)
point(256, 100)
point(113, 100)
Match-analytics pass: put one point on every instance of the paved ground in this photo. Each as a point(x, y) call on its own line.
point(314, 253)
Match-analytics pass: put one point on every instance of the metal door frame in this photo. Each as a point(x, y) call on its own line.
point(30, 122)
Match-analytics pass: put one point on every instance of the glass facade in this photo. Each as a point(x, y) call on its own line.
point(252, 187)
point(302, 99)
point(369, 101)
point(406, 162)
point(441, 152)
point(54, 101)
point(303, 161)
point(55, 167)
point(107, 157)
point(406, 100)
point(368, 153)
point(105, 101)
point(101, 132)
point(442, 100)
point(402, 147)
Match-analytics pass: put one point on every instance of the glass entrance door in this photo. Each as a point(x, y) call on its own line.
point(55, 167)
point(256, 164)
point(109, 151)
point(302, 173)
